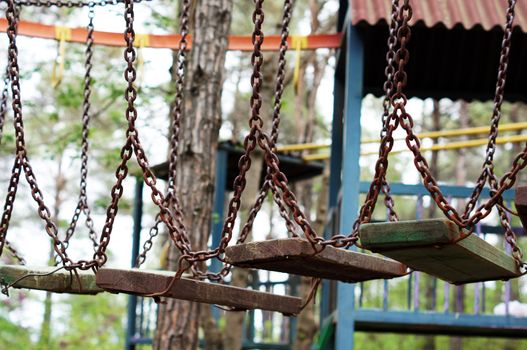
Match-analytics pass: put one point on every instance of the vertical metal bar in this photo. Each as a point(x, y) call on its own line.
point(219, 202)
point(446, 304)
point(418, 216)
point(409, 291)
point(136, 238)
point(385, 296)
point(507, 283)
point(477, 286)
point(218, 209)
point(343, 9)
point(484, 288)
point(293, 320)
point(350, 175)
point(335, 170)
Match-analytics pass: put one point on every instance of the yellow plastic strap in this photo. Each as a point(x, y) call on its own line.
point(141, 41)
point(62, 34)
point(299, 43)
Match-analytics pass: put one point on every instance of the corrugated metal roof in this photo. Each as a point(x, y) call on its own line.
point(487, 14)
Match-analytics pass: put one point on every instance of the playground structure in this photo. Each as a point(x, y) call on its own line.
point(345, 153)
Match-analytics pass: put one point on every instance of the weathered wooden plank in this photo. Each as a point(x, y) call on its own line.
point(428, 246)
point(42, 278)
point(143, 282)
point(521, 205)
point(297, 256)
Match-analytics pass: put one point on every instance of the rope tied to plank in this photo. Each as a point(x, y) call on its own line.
point(62, 34)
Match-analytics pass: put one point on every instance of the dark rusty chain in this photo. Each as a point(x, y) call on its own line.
point(69, 4)
point(258, 137)
point(21, 160)
point(389, 73)
point(488, 165)
point(82, 204)
point(268, 183)
point(399, 116)
point(133, 146)
point(172, 199)
point(279, 90)
point(3, 112)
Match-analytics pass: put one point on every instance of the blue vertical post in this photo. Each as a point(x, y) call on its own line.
point(136, 238)
point(217, 215)
point(335, 163)
point(350, 177)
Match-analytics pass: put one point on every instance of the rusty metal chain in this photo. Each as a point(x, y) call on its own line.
point(69, 4)
point(21, 160)
point(3, 112)
point(258, 137)
point(389, 124)
point(488, 165)
point(279, 90)
point(388, 86)
point(133, 146)
point(399, 116)
point(172, 199)
point(82, 204)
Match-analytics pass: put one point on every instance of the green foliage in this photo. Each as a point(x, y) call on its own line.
point(93, 323)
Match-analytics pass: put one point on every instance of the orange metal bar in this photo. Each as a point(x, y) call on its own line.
point(168, 41)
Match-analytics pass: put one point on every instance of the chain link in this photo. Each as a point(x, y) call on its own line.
point(133, 146)
point(69, 4)
point(399, 116)
point(21, 160)
point(488, 165)
point(172, 199)
point(82, 204)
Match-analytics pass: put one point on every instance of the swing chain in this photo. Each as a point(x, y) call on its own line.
point(488, 165)
point(171, 199)
point(69, 3)
point(279, 90)
point(133, 146)
point(258, 137)
point(82, 205)
point(21, 160)
point(389, 124)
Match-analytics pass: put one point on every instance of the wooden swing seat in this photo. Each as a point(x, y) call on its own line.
point(297, 256)
point(430, 246)
point(42, 278)
point(143, 282)
point(521, 205)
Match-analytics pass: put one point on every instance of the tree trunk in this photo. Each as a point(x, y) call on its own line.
point(178, 320)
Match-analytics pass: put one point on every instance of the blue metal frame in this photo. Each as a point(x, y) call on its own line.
point(350, 175)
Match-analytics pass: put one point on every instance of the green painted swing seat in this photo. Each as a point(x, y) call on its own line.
point(521, 205)
point(144, 282)
point(43, 278)
point(297, 256)
point(430, 246)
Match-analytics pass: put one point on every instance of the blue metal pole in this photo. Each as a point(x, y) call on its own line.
point(136, 238)
point(217, 215)
point(335, 165)
point(350, 177)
